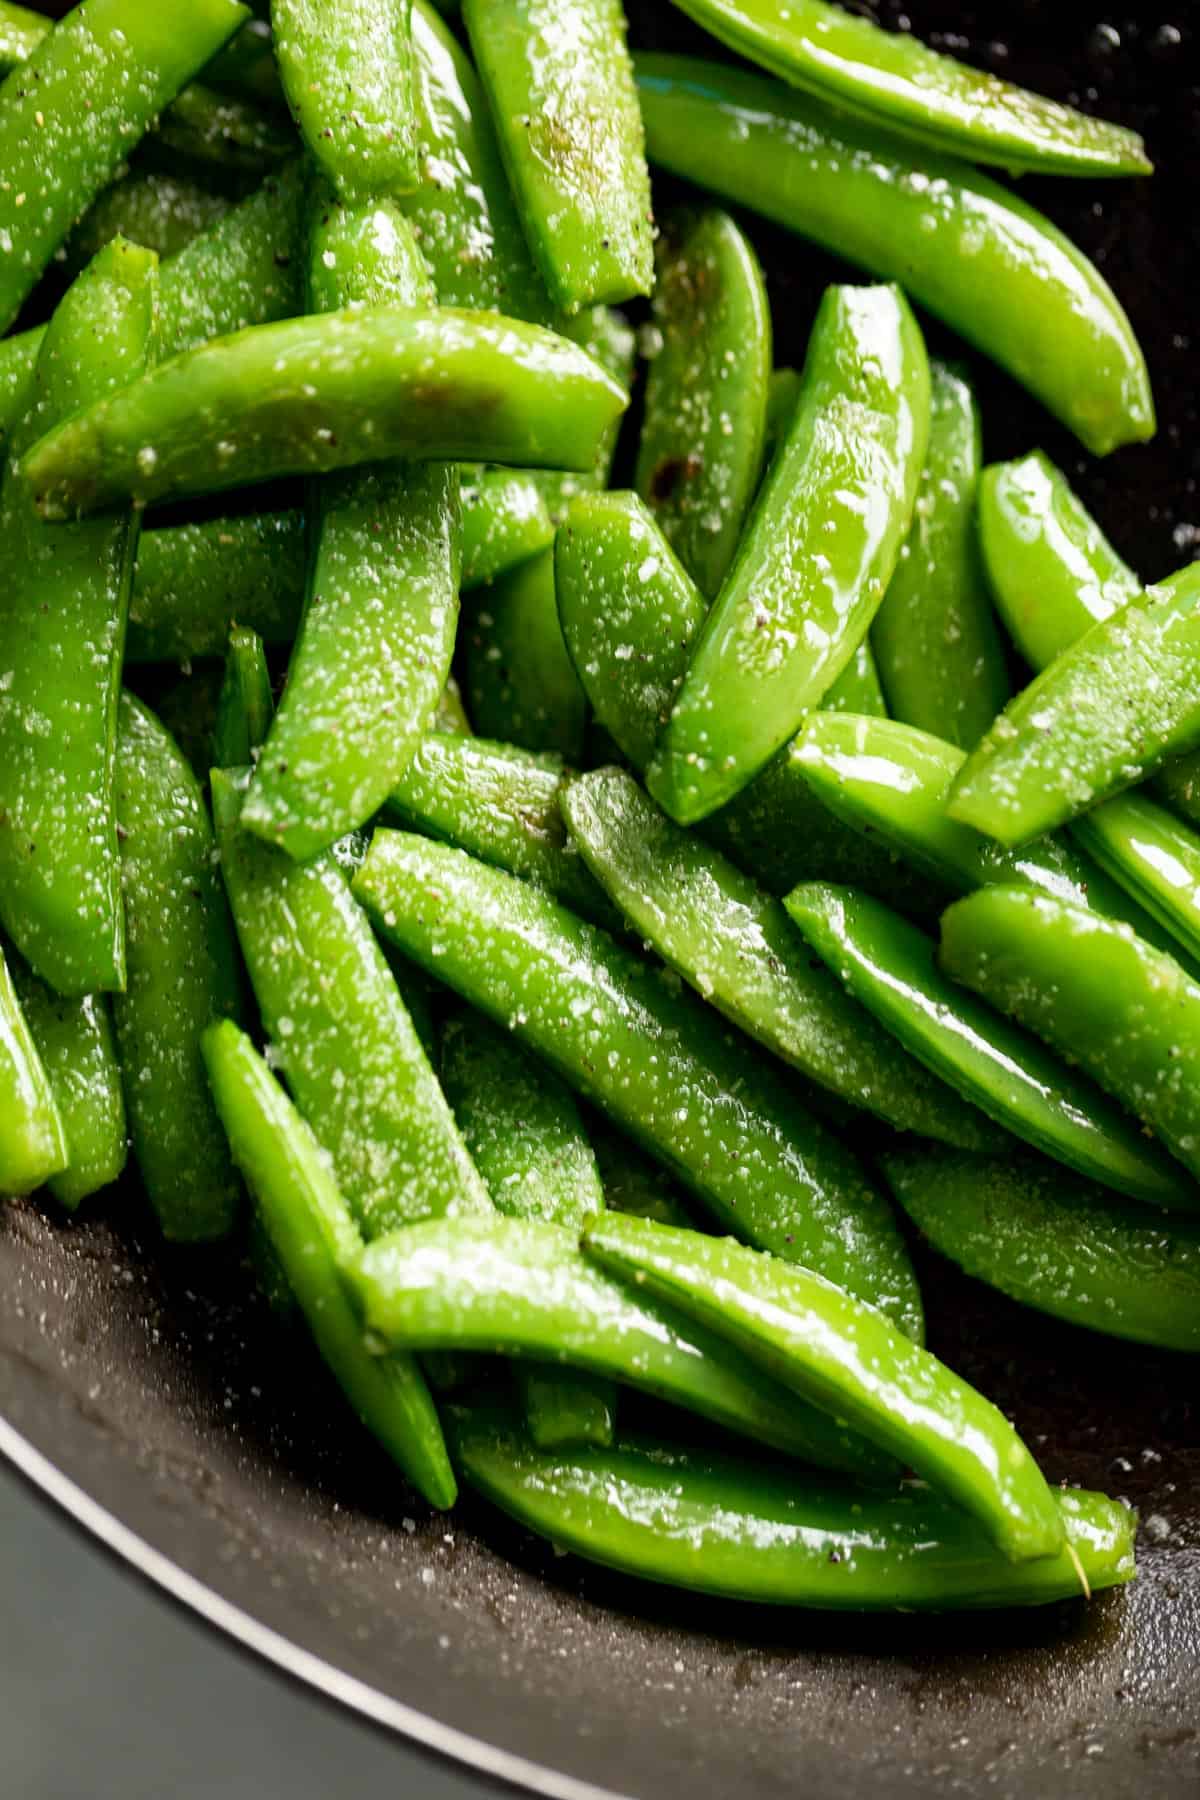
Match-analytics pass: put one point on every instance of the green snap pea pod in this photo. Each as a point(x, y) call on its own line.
point(502, 805)
point(521, 684)
point(193, 582)
point(606, 335)
point(523, 1129)
point(74, 1039)
point(850, 1361)
point(309, 1227)
point(897, 81)
point(1127, 1013)
point(816, 557)
point(858, 688)
point(522, 1288)
point(245, 705)
point(161, 212)
point(505, 522)
point(631, 1182)
point(890, 966)
point(1157, 858)
point(1057, 1243)
point(33, 1142)
point(18, 359)
point(233, 135)
point(737, 947)
point(129, 57)
point(562, 96)
point(1105, 714)
point(21, 31)
point(306, 396)
point(972, 252)
point(701, 450)
point(652, 1058)
point(182, 975)
point(347, 71)
point(62, 627)
point(783, 395)
point(935, 638)
point(725, 1525)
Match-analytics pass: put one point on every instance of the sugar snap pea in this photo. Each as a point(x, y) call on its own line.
point(505, 522)
point(193, 582)
point(701, 449)
point(849, 1360)
point(521, 684)
point(725, 1525)
point(858, 688)
point(890, 966)
point(228, 134)
point(33, 1142)
point(1057, 1243)
point(816, 558)
point(559, 81)
point(347, 71)
point(245, 704)
point(1157, 858)
point(607, 337)
point(974, 253)
point(309, 1228)
point(652, 1058)
point(161, 212)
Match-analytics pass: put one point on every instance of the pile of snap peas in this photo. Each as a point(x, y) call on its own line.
point(569, 937)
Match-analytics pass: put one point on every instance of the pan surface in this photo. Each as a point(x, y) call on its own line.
point(149, 1392)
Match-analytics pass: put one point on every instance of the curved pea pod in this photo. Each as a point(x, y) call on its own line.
point(524, 1289)
point(33, 1142)
point(816, 557)
point(1059, 1244)
point(972, 252)
point(312, 1234)
point(701, 448)
point(193, 582)
point(162, 212)
point(521, 685)
point(247, 269)
point(849, 1360)
point(890, 967)
point(182, 975)
point(328, 391)
point(62, 627)
point(1157, 858)
point(725, 1525)
point(340, 1032)
point(652, 1058)
point(504, 522)
point(1104, 715)
point(737, 947)
point(347, 71)
point(560, 86)
point(935, 639)
point(502, 805)
point(1127, 1013)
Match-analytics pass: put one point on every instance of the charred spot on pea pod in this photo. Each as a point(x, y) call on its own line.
point(674, 473)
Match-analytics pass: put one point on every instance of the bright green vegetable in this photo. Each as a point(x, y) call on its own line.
point(1157, 858)
point(33, 1142)
point(783, 394)
point(608, 338)
point(245, 705)
point(223, 134)
point(192, 583)
point(858, 688)
point(347, 71)
point(247, 269)
point(505, 522)
point(161, 212)
point(521, 685)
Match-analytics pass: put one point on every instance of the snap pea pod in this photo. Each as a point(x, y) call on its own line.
point(182, 975)
point(309, 1228)
point(309, 395)
point(193, 582)
point(21, 31)
point(560, 86)
point(340, 1032)
point(231, 135)
point(62, 627)
point(1057, 1243)
point(502, 805)
point(523, 1130)
point(858, 688)
point(935, 638)
point(650, 1057)
point(33, 1142)
point(347, 71)
point(245, 705)
point(631, 1182)
point(1125, 1012)
point(725, 1525)
point(700, 453)
point(523, 1288)
point(504, 523)
point(972, 252)
point(737, 947)
point(162, 212)
point(74, 1039)
point(783, 393)
point(1158, 859)
point(607, 336)
point(850, 1361)
point(890, 967)
point(816, 557)
point(521, 684)
point(130, 58)
point(898, 82)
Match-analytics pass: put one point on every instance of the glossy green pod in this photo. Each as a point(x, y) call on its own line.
point(328, 391)
point(74, 1039)
point(850, 1361)
point(724, 1525)
point(192, 583)
point(890, 966)
point(521, 685)
point(245, 705)
point(783, 394)
point(505, 521)
point(607, 337)
point(159, 211)
point(1123, 1011)
point(816, 557)
point(33, 1142)
point(1157, 858)
point(651, 1057)
point(736, 946)
point(700, 454)
point(562, 97)
point(1057, 1243)
point(247, 269)
point(523, 1289)
point(309, 1228)
point(858, 688)
point(973, 253)
point(347, 72)
point(182, 975)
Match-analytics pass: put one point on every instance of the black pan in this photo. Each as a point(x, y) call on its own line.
point(148, 1393)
